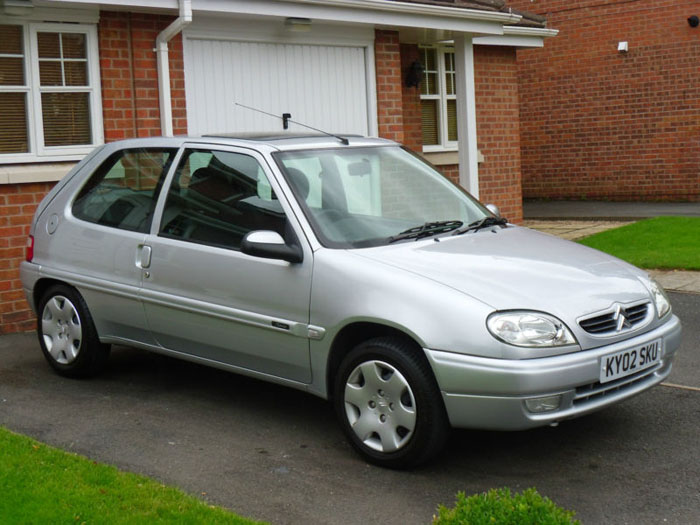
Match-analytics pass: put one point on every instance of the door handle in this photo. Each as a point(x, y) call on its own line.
point(144, 256)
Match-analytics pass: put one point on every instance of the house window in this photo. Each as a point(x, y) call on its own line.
point(50, 105)
point(438, 99)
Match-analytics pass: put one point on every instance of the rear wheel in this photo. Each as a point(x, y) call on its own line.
point(389, 404)
point(67, 334)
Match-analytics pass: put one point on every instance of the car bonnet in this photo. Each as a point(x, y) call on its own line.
point(516, 268)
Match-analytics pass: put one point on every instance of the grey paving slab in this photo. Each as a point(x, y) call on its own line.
point(573, 229)
point(678, 280)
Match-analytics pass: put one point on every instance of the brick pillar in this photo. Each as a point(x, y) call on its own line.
point(498, 129)
point(387, 55)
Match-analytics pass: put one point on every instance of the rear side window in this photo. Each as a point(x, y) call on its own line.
point(216, 197)
point(123, 191)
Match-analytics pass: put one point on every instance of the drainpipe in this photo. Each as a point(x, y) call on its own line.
point(177, 25)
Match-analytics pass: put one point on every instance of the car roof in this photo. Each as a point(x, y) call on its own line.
point(269, 142)
point(292, 141)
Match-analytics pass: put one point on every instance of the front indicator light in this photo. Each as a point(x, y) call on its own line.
point(538, 405)
point(663, 305)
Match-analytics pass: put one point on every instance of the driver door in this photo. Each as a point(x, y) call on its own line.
point(205, 298)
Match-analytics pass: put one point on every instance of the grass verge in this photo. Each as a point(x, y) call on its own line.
point(671, 243)
point(41, 484)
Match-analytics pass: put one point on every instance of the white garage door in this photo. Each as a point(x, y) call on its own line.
point(322, 86)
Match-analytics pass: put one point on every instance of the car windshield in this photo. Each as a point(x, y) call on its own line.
point(357, 197)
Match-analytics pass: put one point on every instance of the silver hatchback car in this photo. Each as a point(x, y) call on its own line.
point(346, 267)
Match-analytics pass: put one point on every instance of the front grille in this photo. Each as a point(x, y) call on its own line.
point(608, 322)
point(599, 390)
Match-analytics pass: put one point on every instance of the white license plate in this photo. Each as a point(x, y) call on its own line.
point(631, 361)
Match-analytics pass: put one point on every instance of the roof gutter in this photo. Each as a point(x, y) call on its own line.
point(175, 27)
point(374, 5)
point(530, 31)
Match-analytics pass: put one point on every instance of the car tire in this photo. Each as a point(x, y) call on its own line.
point(388, 403)
point(67, 334)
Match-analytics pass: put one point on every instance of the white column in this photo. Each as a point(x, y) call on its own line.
point(466, 114)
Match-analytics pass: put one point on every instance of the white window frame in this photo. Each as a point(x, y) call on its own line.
point(38, 152)
point(443, 143)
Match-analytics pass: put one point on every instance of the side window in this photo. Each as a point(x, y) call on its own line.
point(123, 191)
point(217, 197)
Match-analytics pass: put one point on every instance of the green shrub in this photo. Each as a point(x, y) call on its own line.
point(500, 507)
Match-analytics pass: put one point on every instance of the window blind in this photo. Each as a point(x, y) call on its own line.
point(14, 137)
point(452, 120)
point(13, 123)
point(66, 118)
point(429, 109)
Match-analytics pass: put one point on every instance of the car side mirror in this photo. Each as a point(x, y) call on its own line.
point(270, 245)
point(493, 209)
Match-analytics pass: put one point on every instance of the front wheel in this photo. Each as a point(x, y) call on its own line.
point(389, 404)
point(67, 334)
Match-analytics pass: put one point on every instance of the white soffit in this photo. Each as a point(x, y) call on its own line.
point(373, 12)
point(47, 11)
point(251, 28)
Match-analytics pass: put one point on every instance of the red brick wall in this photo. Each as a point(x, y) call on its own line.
point(600, 124)
point(130, 109)
point(387, 56)
point(17, 205)
point(497, 122)
point(129, 77)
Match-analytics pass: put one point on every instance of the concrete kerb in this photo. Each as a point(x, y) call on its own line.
point(607, 210)
point(674, 280)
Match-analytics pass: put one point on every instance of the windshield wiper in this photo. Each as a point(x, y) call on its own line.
point(482, 223)
point(426, 230)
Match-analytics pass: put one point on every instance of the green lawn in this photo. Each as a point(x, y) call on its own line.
point(40, 484)
point(661, 242)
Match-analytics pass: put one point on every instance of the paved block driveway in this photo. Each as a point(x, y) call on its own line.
point(276, 454)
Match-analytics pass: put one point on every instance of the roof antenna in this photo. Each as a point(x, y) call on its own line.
point(287, 118)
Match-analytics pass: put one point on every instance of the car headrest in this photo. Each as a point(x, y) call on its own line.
point(299, 180)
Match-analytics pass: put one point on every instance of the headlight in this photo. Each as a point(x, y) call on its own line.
point(663, 305)
point(532, 329)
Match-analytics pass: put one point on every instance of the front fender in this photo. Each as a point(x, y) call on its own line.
point(349, 289)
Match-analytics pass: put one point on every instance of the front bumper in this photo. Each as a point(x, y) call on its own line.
point(490, 394)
